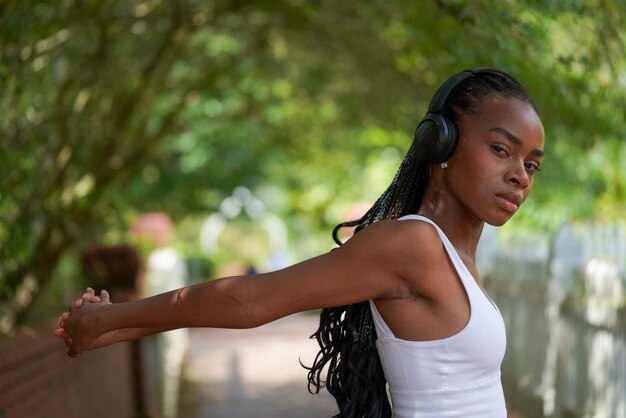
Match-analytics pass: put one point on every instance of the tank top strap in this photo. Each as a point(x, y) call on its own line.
point(454, 256)
point(466, 277)
point(471, 287)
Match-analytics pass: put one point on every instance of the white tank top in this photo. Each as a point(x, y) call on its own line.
point(457, 376)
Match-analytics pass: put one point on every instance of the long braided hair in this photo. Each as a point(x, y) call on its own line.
point(346, 334)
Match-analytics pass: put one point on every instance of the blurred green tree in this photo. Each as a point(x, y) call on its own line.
point(108, 106)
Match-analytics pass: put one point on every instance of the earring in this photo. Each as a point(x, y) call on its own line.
point(444, 165)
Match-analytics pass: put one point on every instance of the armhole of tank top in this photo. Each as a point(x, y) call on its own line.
point(458, 263)
point(462, 272)
point(380, 323)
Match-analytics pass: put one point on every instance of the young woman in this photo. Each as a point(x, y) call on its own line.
point(404, 308)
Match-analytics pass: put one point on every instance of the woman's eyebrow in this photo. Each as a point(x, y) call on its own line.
point(515, 140)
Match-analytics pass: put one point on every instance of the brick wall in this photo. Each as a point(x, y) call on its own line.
point(37, 379)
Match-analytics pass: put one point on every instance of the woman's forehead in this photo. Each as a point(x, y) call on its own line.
point(511, 114)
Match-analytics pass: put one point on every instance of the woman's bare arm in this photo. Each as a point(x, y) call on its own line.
point(369, 266)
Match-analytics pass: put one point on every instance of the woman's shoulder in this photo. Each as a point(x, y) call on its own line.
point(406, 230)
point(410, 250)
point(411, 238)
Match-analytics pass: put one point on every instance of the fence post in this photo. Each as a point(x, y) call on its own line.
point(565, 259)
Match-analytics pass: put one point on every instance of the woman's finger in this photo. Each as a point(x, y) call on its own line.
point(104, 296)
point(59, 332)
point(89, 292)
point(62, 318)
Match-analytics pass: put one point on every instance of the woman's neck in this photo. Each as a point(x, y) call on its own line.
point(462, 228)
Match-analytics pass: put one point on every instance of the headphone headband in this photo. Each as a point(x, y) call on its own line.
point(440, 97)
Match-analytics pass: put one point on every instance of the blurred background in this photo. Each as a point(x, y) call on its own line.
point(206, 138)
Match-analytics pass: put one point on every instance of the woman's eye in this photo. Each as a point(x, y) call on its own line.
point(500, 150)
point(532, 167)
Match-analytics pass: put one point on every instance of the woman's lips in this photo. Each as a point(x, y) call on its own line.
point(510, 202)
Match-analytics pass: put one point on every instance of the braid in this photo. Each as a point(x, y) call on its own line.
point(402, 197)
point(346, 335)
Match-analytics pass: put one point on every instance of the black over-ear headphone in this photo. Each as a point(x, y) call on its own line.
point(436, 136)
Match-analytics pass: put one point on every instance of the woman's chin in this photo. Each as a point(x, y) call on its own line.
point(498, 220)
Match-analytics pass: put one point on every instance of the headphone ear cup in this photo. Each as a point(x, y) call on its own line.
point(435, 138)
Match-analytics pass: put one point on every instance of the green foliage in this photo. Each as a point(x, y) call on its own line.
point(109, 108)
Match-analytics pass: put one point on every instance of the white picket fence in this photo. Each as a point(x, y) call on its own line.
point(563, 298)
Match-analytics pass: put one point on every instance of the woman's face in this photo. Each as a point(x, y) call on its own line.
point(491, 172)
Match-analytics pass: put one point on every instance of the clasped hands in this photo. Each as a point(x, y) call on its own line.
point(77, 327)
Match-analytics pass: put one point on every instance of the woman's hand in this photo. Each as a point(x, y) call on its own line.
point(75, 329)
point(78, 331)
point(88, 296)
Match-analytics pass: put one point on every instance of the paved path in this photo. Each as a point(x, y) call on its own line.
point(252, 373)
